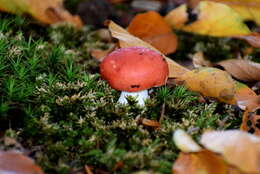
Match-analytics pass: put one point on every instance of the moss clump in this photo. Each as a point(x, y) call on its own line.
point(54, 102)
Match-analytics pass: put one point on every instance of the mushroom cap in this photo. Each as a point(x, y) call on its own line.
point(134, 69)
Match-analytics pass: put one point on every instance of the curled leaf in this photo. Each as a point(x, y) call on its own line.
point(16, 163)
point(152, 28)
point(244, 70)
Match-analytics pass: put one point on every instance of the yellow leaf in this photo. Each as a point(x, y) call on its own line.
point(128, 40)
point(214, 19)
point(47, 11)
point(248, 9)
point(211, 82)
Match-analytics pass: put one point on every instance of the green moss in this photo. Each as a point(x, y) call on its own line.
point(54, 102)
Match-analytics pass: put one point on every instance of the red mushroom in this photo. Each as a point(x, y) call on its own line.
point(133, 70)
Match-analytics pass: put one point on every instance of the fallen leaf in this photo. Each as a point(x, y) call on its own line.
point(151, 28)
point(255, 120)
point(238, 148)
point(244, 70)
point(211, 82)
point(149, 123)
point(214, 19)
point(184, 142)
point(128, 40)
point(243, 95)
point(253, 39)
point(205, 162)
point(99, 54)
point(47, 11)
point(248, 9)
point(16, 163)
point(251, 123)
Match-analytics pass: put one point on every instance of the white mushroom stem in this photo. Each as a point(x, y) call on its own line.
point(140, 96)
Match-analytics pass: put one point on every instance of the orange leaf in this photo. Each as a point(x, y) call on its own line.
point(150, 123)
point(152, 28)
point(16, 163)
point(47, 11)
point(244, 70)
point(205, 162)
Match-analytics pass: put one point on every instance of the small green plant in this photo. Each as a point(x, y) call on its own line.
point(50, 88)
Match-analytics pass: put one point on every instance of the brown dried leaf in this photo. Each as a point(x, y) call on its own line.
point(253, 39)
point(237, 147)
point(205, 162)
point(16, 163)
point(150, 123)
point(244, 70)
point(152, 28)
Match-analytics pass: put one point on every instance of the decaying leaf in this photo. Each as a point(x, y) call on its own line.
point(211, 82)
point(251, 123)
point(205, 162)
point(244, 70)
point(128, 40)
point(214, 19)
point(152, 28)
point(47, 11)
point(16, 163)
point(248, 9)
point(238, 148)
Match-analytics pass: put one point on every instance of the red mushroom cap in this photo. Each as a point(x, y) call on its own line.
point(134, 69)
